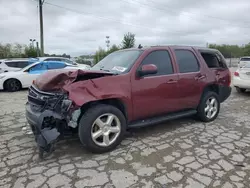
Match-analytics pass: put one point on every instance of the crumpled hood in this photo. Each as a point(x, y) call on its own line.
point(57, 79)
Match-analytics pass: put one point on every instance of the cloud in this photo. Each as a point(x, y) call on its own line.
point(79, 27)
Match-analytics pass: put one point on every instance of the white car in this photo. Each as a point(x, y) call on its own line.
point(241, 78)
point(7, 65)
point(14, 81)
point(243, 61)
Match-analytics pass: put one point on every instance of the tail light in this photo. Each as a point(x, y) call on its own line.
point(236, 73)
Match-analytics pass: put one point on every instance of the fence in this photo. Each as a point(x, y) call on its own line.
point(232, 62)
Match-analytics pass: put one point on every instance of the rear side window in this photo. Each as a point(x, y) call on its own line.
point(186, 61)
point(17, 64)
point(162, 60)
point(12, 64)
point(213, 60)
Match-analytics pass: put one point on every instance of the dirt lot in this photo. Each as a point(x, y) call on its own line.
point(181, 153)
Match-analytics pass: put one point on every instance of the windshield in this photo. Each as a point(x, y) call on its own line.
point(118, 62)
point(245, 59)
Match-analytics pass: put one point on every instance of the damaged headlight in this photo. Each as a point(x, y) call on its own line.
point(66, 104)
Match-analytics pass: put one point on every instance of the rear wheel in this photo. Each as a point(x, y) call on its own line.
point(240, 90)
point(209, 107)
point(102, 128)
point(13, 85)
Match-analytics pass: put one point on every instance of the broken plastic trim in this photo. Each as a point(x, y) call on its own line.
point(74, 118)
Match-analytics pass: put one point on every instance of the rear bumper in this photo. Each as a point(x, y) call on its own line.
point(238, 82)
point(224, 92)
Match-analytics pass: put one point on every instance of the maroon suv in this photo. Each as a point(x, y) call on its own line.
point(128, 88)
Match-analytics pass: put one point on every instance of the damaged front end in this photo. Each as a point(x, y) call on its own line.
point(51, 116)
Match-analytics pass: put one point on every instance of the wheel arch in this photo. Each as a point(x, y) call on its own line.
point(116, 102)
point(5, 82)
point(210, 87)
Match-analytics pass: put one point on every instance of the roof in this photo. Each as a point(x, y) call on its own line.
point(177, 46)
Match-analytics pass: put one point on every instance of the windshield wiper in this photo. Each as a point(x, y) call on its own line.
point(106, 70)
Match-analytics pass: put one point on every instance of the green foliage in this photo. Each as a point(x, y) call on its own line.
point(30, 51)
point(101, 53)
point(20, 50)
point(128, 40)
point(233, 51)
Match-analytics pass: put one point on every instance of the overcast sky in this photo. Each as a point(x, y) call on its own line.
point(79, 27)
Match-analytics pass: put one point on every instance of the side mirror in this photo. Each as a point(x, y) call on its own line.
point(147, 69)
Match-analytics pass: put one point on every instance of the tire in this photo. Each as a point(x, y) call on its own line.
point(202, 112)
point(240, 90)
point(86, 128)
point(13, 85)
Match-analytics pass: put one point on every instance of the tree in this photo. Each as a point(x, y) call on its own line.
point(99, 55)
point(128, 40)
point(113, 49)
point(30, 51)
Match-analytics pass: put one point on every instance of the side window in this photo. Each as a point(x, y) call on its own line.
point(55, 65)
point(213, 60)
point(38, 67)
point(12, 64)
point(162, 60)
point(186, 61)
point(22, 64)
point(52, 59)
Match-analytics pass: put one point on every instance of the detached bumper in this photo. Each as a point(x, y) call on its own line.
point(224, 92)
point(44, 136)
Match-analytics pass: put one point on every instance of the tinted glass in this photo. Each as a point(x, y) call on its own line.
point(186, 61)
point(161, 59)
point(12, 64)
point(245, 59)
point(22, 64)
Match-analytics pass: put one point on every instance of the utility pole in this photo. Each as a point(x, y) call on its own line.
point(41, 26)
point(37, 49)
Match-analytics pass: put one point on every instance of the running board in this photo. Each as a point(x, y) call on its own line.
point(157, 120)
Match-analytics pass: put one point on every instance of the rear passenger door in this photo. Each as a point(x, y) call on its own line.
point(190, 77)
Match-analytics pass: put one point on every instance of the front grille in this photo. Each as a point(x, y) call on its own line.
point(43, 100)
point(38, 97)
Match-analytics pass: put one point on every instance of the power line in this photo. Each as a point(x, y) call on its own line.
point(171, 9)
point(107, 18)
point(112, 19)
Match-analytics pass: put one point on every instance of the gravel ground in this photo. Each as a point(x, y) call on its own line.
point(181, 153)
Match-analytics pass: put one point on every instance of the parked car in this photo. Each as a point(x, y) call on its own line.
point(127, 89)
point(243, 61)
point(52, 58)
point(241, 78)
point(7, 65)
point(14, 81)
point(63, 59)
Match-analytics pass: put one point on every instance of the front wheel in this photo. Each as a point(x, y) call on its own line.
point(13, 85)
point(209, 107)
point(102, 128)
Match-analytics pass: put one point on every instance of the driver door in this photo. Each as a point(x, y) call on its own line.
point(156, 94)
